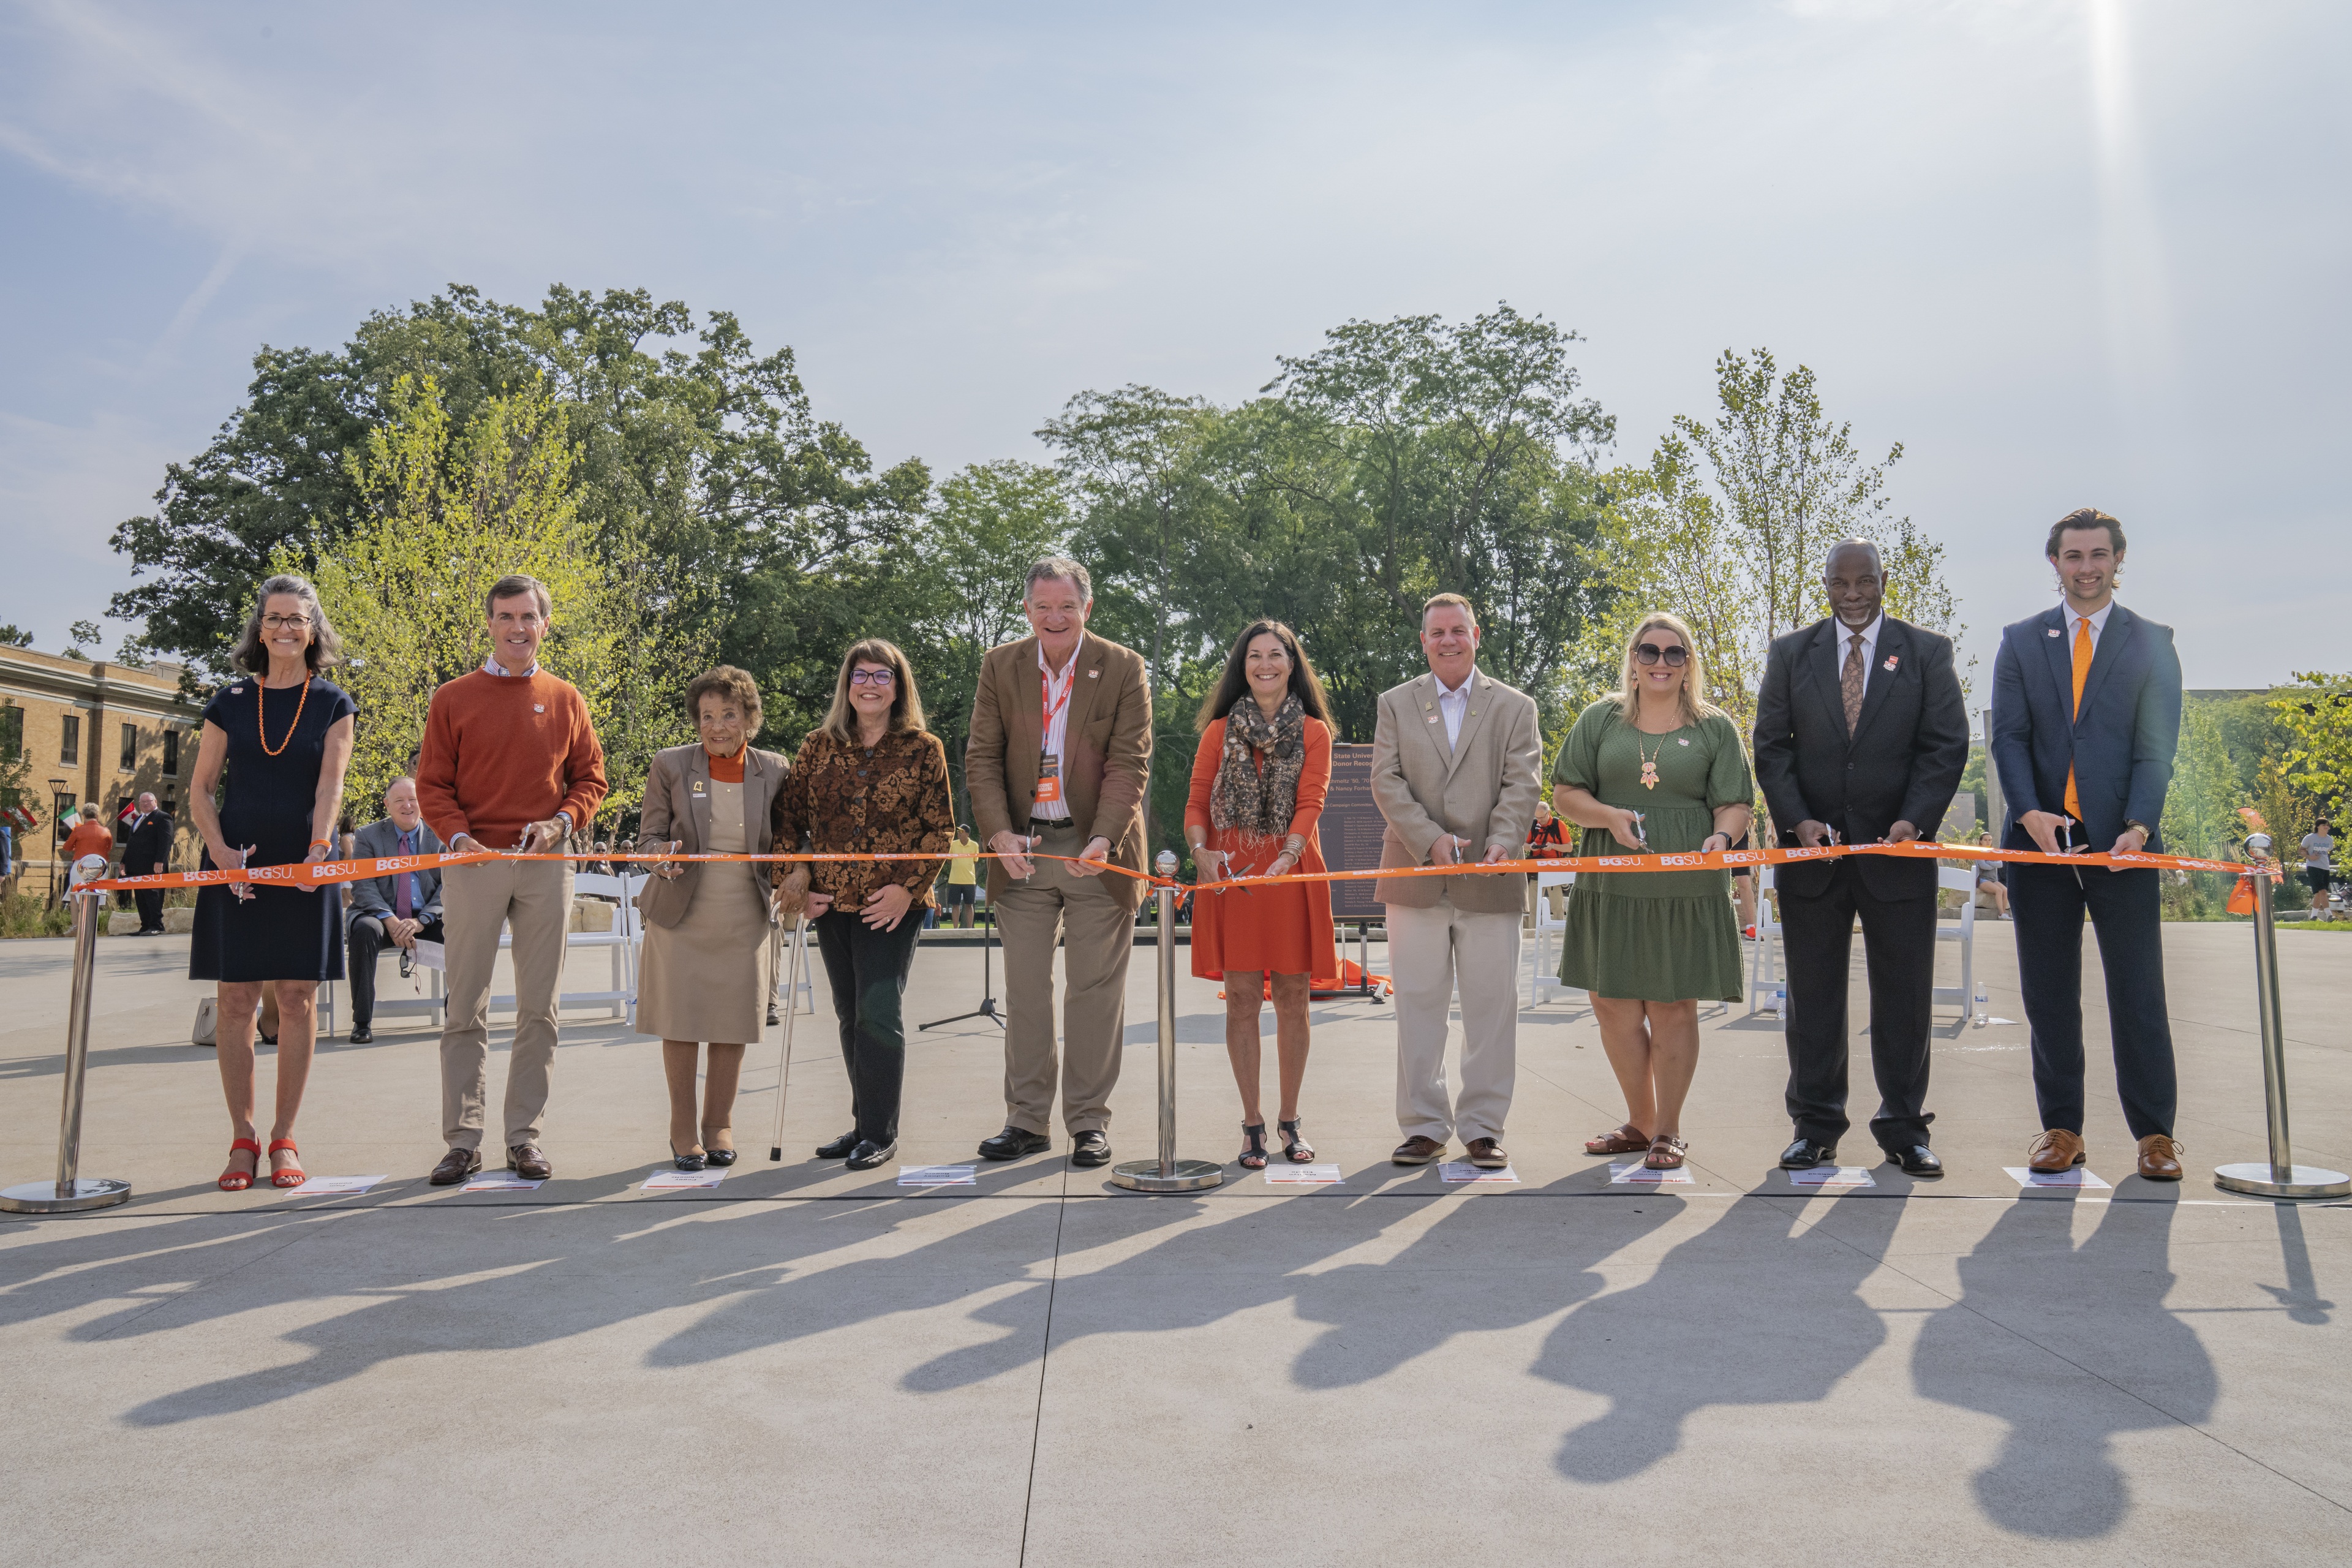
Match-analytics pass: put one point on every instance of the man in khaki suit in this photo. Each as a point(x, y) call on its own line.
point(1058, 763)
point(1457, 763)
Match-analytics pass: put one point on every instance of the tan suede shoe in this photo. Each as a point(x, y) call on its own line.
point(2056, 1150)
point(2159, 1158)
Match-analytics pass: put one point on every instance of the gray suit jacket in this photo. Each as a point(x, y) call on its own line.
point(381, 840)
point(677, 805)
point(1483, 789)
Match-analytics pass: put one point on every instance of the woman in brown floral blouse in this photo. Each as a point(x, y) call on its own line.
point(870, 780)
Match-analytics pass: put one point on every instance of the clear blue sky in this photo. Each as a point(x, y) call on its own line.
point(2064, 252)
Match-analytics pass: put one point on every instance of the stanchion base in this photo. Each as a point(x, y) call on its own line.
point(43, 1197)
point(2256, 1178)
point(1184, 1175)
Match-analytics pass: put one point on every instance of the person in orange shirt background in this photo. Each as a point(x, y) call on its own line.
point(89, 837)
point(1259, 779)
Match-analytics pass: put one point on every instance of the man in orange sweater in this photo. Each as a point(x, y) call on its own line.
point(510, 762)
point(89, 837)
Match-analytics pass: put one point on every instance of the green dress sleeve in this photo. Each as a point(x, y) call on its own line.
point(1579, 763)
point(1729, 781)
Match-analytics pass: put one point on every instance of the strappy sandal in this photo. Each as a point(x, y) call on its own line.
point(234, 1180)
point(1665, 1154)
point(293, 1176)
point(1627, 1139)
point(1253, 1155)
point(1295, 1146)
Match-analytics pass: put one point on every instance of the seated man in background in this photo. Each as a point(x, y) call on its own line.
point(391, 911)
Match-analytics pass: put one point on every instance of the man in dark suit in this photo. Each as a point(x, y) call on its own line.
point(1860, 737)
point(394, 910)
point(2086, 716)
point(147, 852)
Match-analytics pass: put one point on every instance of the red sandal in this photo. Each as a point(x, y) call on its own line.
point(293, 1176)
point(234, 1180)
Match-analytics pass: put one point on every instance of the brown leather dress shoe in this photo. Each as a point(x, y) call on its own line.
point(525, 1161)
point(1487, 1153)
point(1416, 1150)
point(455, 1166)
point(2056, 1150)
point(2159, 1158)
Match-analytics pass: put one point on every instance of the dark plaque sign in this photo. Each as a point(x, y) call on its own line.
point(1350, 832)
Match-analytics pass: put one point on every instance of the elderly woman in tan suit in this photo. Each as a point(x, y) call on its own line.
point(708, 956)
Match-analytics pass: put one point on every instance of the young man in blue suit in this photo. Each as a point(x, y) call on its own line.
point(2086, 716)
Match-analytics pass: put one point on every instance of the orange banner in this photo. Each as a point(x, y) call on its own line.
point(326, 873)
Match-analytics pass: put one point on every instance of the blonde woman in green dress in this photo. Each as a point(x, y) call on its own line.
point(1657, 769)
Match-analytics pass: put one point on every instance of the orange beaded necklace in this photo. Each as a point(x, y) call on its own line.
point(261, 701)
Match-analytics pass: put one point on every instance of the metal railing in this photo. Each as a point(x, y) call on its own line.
point(71, 1190)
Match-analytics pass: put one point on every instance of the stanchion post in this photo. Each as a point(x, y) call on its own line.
point(2280, 1176)
point(1167, 1174)
point(71, 1190)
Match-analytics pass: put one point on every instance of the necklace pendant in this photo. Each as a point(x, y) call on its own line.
point(1649, 776)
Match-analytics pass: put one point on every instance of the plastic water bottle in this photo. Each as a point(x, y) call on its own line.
point(1981, 1017)
point(1780, 1000)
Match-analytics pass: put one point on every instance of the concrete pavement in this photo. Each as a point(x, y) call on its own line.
point(811, 1367)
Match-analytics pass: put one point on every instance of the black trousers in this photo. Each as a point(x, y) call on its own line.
point(1899, 944)
point(367, 939)
point(2047, 904)
point(151, 908)
point(867, 969)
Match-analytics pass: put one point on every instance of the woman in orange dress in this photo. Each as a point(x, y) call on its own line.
point(1258, 782)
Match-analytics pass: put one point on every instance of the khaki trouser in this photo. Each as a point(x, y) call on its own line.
point(1098, 936)
point(535, 898)
point(1431, 953)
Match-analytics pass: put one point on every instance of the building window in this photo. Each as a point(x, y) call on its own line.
point(70, 739)
point(130, 748)
point(12, 733)
point(171, 754)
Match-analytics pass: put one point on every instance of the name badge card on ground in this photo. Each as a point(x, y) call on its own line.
point(1304, 1176)
point(1640, 1176)
point(664, 1181)
point(501, 1182)
point(329, 1186)
point(1462, 1170)
point(2080, 1177)
point(938, 1175)
point(1832, 1176)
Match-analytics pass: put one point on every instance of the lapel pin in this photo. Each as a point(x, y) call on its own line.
point(2053, 631)
point(1092, 673)
point(1890, 660)
point(538, 707)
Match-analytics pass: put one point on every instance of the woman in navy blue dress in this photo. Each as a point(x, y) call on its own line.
point(284, 737)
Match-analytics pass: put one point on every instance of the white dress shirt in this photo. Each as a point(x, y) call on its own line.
point(1454, 703)
point(2098, 623)
point(1869, 640)
point(1057, 729)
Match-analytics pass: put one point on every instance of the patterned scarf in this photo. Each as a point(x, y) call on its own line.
point(1261, 803)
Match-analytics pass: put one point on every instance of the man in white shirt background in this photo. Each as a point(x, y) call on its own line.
point(2319, 852)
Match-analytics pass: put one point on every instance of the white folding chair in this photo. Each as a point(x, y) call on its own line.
point(800, 985)
point(1543, 960)
point(622, 941)
point(1961, 880)
point(1765, 966)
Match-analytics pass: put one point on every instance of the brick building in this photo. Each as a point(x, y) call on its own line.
point(95, 731)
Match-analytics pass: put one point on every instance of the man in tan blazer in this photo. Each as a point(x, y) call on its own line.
point(1457, 763)
point(1057, 763)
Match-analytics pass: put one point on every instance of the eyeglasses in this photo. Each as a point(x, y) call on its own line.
point(285, 622)
point(1650, 653)
point(872, 678)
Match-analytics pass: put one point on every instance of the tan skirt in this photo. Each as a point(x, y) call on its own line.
point(708, 977)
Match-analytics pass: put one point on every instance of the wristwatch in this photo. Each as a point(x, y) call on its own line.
point(2146, 834)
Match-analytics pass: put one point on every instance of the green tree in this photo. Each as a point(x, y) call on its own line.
point(2316, 712)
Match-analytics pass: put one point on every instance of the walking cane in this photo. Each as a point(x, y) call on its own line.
point(792, 1011)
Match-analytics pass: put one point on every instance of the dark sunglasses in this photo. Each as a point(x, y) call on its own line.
point(1650, 653)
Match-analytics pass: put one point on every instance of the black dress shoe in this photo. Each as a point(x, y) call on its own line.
point(1090, 1149)
point(841, 1148)
point(362, 1034)
point(1919, 1161)
point(722, 1158)
point(773, 1017)
point(687, 1162)
point(869, 1154)
point(1014, 1143)
point(1805, 1155)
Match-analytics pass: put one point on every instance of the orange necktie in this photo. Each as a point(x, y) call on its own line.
point(2082, 674)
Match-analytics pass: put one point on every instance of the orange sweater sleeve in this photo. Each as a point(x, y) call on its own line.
point(1206, 759)
point(583, 769)
point(436, 771)
point(1313, 780)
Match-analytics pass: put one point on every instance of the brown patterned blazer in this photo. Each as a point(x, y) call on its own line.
point(894, 799)
point(1106, 758)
